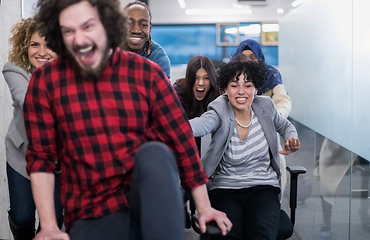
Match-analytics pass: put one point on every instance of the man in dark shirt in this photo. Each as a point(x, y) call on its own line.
point(113, 122)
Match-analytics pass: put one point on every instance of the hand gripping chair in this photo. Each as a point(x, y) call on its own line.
point(286, 223)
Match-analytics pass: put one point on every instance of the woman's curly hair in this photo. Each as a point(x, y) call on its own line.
point(47, 20)
point(20, 39)
point(256, 72)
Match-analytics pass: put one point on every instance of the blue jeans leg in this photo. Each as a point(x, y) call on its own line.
point(22, 206)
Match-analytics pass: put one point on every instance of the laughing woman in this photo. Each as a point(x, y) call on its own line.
point(243, 158)
point(28, 52)
point(199, 87)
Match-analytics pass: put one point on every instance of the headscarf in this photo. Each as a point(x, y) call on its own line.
point(273, 75)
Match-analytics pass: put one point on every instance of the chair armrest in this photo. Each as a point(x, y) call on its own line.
point(211, 227)
point(296, 169)
point(294, 173)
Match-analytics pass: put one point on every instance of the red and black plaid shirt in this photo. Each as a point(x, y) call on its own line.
point(94, 129)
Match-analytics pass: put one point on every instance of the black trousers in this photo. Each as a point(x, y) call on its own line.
point(156, 206)
point(254, 212)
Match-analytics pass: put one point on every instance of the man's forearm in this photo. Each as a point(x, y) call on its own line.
point(207, 213)
point(43, 193)
point(200, 196)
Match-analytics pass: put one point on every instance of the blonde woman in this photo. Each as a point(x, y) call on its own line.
point(28, 51)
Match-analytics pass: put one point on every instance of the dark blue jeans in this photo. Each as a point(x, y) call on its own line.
point(156, 206)
point(22, 206)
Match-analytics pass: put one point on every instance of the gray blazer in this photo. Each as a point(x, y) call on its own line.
point(220, 121)
point(16, 142)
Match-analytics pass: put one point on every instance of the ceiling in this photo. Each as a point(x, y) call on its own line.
point(169, 11)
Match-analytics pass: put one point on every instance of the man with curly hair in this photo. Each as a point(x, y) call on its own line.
point(117, 129)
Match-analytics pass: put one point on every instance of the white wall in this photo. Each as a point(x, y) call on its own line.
point(10, 13)
point(323, 56)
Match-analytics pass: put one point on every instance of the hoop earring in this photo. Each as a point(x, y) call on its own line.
point(26, 64)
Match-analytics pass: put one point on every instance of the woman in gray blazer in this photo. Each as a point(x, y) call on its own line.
point(242, 161)
point(28, 52)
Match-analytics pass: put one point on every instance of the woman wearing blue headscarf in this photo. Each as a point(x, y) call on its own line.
point(273, 86)
point(250, 50)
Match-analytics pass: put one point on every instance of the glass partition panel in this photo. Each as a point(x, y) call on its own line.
point(227, 34)
point(324, 58)
point(182, 42)
point(270, 34)
point(360, 202)
point(324, 191)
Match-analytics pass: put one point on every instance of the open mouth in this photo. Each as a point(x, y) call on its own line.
point(86, 54)
point(199, 93)
point(43, 59)
point(136, 40)
point(241, 100)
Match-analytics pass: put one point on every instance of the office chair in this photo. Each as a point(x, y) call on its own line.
point(286, 222)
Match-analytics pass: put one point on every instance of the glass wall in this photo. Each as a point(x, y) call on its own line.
point(324, 54)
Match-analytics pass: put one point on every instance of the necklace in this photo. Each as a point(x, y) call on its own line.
point(243, 126)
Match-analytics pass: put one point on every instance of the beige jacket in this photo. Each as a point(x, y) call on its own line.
point(281, 100)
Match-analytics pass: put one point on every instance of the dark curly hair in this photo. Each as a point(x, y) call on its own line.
point(192, 106)
point(47, 20)
point(256, 72)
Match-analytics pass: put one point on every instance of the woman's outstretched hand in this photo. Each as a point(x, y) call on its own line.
point(290, 146)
